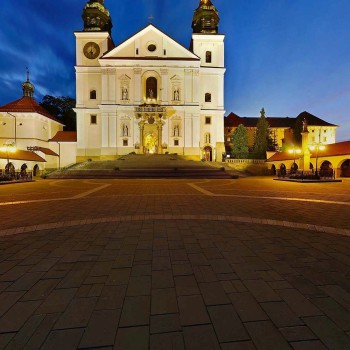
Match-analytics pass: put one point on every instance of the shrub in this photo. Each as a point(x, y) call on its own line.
point(5, 177)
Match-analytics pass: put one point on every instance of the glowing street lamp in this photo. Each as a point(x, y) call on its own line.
point(317, 147)
point(9, 148)
point(294, 151)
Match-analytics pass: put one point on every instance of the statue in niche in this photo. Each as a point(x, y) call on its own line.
point(125, 130)
point(176, 130)
point(176, 95)
point(125, 93)
point(150, 94)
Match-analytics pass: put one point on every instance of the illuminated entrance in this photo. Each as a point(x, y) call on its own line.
point(151, 128)
point(151, 139)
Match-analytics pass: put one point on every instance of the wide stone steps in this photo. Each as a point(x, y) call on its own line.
point(204, 173)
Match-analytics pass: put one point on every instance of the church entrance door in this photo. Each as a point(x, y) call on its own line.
point(151, 139)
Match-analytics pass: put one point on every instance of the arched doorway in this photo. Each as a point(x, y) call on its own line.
point(208, 154)
point(10, 168)
point(326, 169)
point(36, 170)
point(151, 143)
point(294, 168)
point(345, 169)
point(283, 170)
point(273, 169)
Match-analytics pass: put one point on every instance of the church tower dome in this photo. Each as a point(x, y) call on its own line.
point(96, 17)
point(206, 18)
point(28, 87)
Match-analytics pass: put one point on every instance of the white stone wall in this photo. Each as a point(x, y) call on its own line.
point(182, 82)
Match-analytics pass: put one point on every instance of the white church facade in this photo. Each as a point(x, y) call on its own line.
point(149, 94)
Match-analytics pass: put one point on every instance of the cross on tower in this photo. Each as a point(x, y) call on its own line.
point(150, 18)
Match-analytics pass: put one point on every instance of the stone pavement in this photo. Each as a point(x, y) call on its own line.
point(174, 265)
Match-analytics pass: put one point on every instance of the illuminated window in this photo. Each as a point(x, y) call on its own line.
point(207, 97)
point(208, 57)
point(325, 139)
point(207, 120)
point(93, 95)
point(93, 119)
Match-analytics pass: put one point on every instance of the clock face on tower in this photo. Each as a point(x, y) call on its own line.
point(91, 50)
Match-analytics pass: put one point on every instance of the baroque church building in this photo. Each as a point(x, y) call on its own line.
point(149, 94)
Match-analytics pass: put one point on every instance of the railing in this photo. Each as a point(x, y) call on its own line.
point(148, 109)
point(300, 174)
point(16, 175)
point(245, 161)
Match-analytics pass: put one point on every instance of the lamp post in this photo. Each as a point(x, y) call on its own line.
point(318, 147)
point(294, 151)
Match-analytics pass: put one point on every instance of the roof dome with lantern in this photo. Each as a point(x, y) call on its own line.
point(206, 18)
point(96, 17)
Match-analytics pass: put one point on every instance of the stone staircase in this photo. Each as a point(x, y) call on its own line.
point(145, 166)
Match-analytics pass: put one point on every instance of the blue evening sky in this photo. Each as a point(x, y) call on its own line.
point(285, 55)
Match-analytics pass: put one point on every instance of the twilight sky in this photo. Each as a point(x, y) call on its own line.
point(285, 55)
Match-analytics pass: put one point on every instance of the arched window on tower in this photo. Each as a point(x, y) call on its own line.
point(151, 88)
point(93, 95)
point(208, 97)
point(208, 57)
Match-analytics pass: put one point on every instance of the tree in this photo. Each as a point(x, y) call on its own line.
point(239, 142)
point(61, 108)
point(262, 136)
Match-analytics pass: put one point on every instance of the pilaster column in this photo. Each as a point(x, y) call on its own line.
point(137, 85)
point(195, 87)
point(160, 136)
point(111, 85)
point(142, 127)
point(220, 92)
point(113, 130)
point(105, 127)
point(188, 86)
point(188, 140)
point(104, 86)
point(165, 95)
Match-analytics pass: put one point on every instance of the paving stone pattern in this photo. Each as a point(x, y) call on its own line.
point(168, 284)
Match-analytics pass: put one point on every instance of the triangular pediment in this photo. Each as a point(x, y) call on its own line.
point(175, 78)
point(150, 43)
point(124, 77)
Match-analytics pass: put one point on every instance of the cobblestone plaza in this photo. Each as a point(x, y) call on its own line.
point(175, 264)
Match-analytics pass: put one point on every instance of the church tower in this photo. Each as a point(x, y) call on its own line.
point(208, 45)
point(91, 44)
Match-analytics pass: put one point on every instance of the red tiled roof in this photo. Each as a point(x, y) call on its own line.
point(27, 105)
point(65, 136)
point(332, 150)
point(335, 149)
point(233, 120)
point(48, 151)
point(280, 156)
point(22, 155)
